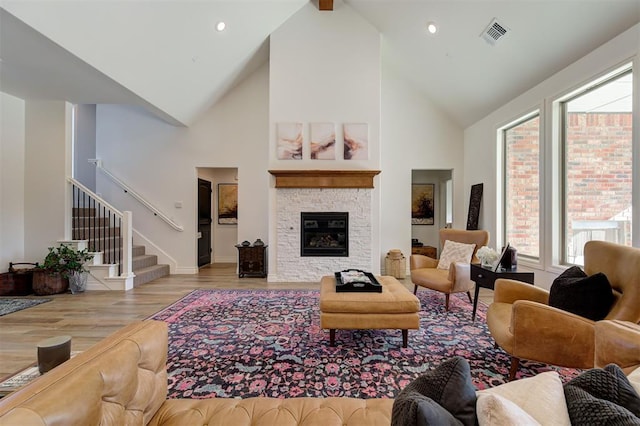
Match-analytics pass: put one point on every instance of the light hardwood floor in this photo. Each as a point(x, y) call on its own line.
point(91, 316)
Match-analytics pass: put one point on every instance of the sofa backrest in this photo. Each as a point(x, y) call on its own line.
point(121, 380)
point(621, 265)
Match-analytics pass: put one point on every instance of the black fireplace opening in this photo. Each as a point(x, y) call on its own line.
point(324, 234)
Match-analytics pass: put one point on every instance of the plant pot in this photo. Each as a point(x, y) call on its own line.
point(45, 283)
point(78, 282)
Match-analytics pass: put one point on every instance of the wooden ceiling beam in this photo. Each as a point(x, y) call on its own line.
point(325, 4)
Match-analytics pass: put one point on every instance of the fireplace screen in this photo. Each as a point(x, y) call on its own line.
point(324, 234)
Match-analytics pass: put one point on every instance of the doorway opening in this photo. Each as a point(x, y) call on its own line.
point(431, 206)
point(217, 234)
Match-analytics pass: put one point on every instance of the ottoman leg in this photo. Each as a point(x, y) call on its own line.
point(332, 337)
point(405, 337)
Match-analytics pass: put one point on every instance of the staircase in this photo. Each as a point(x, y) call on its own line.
point(103, 236)
point(146, 267)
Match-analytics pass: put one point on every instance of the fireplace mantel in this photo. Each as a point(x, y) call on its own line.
point(324, 178)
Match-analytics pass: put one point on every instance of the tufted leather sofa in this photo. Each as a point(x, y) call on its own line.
point(122, 380)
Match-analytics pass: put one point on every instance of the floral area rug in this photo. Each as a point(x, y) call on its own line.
point(244, 343)
point(9, 305)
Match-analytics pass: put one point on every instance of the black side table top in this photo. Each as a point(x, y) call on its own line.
point(486, 278)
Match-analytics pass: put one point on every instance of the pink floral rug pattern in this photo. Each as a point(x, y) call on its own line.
point(243, 343)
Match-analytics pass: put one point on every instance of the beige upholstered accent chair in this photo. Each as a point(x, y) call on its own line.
point(456, 279)
point(524, 325)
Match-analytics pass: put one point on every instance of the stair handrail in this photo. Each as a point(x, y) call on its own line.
point(96, 196)
point(127, 189)
point(126, 218)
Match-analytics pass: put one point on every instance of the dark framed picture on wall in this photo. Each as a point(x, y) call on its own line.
point(422, 203)
point(227, 204)
point(475, 200)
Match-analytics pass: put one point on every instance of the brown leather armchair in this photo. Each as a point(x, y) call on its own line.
point(617, 342)
point(456, 279)
point(526, 327)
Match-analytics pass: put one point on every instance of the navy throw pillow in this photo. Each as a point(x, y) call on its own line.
point(443, 396)
point(588, 296)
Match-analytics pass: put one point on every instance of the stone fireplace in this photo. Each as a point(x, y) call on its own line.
point(326, 194)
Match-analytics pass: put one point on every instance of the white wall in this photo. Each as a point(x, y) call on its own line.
point(47, 216)
point(160, 162)
point(325, 67)
point(223, 237)
point(12, 147)
point(481, 147)
point(85, 145)
point(415, 136)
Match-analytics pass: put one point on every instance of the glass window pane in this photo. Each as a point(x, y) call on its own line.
point(522, 187)
point(598, 167)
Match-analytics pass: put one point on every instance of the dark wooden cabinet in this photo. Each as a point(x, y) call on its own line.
point(252, 261)
point(425, 251)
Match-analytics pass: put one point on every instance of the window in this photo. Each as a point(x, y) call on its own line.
point(449, 201)
point(521, 147)
point(597, 165)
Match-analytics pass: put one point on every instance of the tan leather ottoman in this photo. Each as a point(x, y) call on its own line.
point(394, 307)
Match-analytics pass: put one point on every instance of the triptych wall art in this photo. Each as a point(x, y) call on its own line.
point(322, 141)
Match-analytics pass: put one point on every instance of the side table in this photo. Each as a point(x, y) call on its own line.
point(486, 278)
point(252, 261)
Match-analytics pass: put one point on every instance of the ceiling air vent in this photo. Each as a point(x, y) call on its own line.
point(494, 32)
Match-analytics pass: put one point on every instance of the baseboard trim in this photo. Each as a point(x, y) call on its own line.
point(185, 270)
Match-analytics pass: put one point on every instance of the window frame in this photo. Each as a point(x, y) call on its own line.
point(532, 113)
point(558, 106)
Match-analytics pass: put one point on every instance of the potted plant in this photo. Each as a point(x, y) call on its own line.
point(74, 267)
point(63, 268)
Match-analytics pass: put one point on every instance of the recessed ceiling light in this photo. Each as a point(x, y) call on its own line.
point(432, 27)
point(220, 26)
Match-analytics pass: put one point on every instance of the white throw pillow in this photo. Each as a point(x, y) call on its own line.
point(634, 379)
point(455, 252)
point(494, 410)
point(541, 396)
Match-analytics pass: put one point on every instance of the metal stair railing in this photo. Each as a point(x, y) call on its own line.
point(105, 228)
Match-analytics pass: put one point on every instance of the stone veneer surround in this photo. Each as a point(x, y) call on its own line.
point(290, 202)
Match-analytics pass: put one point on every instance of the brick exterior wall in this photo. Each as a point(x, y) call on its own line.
point(599, 173)
point(522, 187)
point(598, 185)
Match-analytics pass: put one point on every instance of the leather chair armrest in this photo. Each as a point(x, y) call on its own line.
point(418, 261)
point(542, 332)
point(460, 276)
point(617, 342)
point(508, 291)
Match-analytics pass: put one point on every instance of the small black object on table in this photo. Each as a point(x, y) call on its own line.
point(486, 278)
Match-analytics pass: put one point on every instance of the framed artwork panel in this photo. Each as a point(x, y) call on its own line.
point(356, 141)
point(323, 141)
point(475, 200)
point(227, 203)
point(422, 204)
point(289, 141)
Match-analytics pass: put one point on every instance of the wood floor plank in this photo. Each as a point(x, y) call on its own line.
point(91, 316)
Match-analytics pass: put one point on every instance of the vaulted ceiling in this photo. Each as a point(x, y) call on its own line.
point(167, 56)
